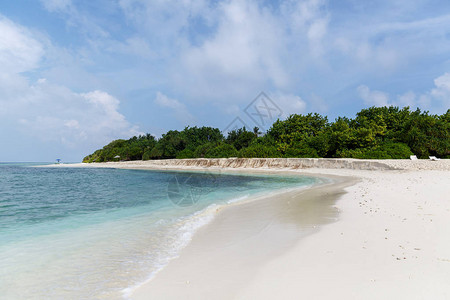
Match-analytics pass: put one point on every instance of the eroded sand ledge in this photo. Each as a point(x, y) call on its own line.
point(391, 239)
point(276, 163)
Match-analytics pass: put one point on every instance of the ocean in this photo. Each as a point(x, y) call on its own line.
point(95, 233)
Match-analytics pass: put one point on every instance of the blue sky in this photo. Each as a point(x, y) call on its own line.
point(75, 75)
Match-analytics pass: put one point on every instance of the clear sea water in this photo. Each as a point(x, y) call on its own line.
point(94, 233)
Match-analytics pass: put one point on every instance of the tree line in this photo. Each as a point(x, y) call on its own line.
point(375, 133)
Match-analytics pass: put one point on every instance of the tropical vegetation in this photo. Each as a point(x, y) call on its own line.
point(375, 133)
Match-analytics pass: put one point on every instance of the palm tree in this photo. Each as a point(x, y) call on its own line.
point(256, 131)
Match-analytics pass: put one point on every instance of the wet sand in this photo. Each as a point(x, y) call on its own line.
point(225, 255)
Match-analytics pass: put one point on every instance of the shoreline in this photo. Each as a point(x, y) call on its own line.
point(271, 164)
point(211, 212)
point(264, 228)
point(390, 241)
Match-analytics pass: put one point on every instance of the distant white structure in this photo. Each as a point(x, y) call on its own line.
point(413, 157)
point(434, 158)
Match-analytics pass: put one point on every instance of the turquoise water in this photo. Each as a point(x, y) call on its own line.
point(84, 233)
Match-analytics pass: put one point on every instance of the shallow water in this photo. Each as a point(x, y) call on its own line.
point(91, 233)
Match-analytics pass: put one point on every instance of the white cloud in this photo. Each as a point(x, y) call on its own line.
point(376, 98)
point(434, 25)
point(136, 46)
point(225, 52)
point(424, 101)
point(220, 52)
point(378, 45)
point(407, 99)
point(57, 5)
point(436, 99)
point(180, 110)
point(19, 52)
point(72, 124)
point(244, 52)
point(56, 114)
point(51, 112)
point(166, 24)
point(249, 51)
point(442, 90)
point(82, 22)
point(442, 84)
point(242, 47)
point(317, 104)
point(289, 103)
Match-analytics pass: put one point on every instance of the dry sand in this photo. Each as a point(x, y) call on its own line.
point(390, 240)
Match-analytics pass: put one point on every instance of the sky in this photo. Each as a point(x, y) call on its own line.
point(77, 74)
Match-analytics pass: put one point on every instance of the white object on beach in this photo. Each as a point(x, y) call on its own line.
point(434, 158)
point(413, 157)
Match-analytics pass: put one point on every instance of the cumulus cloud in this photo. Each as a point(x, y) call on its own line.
point(370, 97)
point(173, 19)
point(51, 112)
point(19, 52)
point(442, 84)
point(180, 111)
point(376, 40)
point(227, 51)
point(317, 104)
point(437, 99)
point(407, 99)
point(56, 114)
point(244, 52)
point(442, 90)
point(289, 103)
point(307, 19)
point(220, 52)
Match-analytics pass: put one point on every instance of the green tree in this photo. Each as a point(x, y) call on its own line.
point(221, 150)
point(240, 138)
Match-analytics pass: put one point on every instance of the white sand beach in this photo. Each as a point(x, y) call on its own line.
point(386, 237)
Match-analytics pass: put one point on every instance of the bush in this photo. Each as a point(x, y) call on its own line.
point(186, 153)
point(397, 150)
point(146, 155)
point(240, 138)
point(259, 151)
point(222, 150)
point(154, 153)
point(301, 151)
point(387, 150)
point(201, 150)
